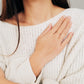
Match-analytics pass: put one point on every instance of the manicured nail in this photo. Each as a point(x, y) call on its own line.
point(69, 17)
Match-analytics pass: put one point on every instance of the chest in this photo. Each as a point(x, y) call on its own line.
point(26, 48)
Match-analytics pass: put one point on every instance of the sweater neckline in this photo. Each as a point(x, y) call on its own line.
point(40, 24)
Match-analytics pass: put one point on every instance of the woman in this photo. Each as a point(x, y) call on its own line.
point(46, 52)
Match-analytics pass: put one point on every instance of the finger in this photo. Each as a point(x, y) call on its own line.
point(63, 26)
point(67, 40)
point(46, 30)
point(65, 32)
point(57, 25)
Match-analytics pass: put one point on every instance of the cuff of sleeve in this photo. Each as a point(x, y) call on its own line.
point(36, 81)
point(49, 81)
point(20, 71)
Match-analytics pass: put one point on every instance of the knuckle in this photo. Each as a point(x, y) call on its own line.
point(62, 18)
point(57, 33)
point(68, 27)
point(54, 36)
point(65, 22)
point(67, 40)
point(63, 34)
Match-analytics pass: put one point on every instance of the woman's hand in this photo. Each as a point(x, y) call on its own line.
point(50, 43)
point(2, 75)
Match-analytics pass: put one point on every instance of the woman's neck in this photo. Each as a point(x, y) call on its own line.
point(37, 11)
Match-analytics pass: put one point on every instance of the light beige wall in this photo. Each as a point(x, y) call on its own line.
point(77, 3)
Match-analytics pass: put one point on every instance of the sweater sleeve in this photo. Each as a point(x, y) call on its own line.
point(20, 71)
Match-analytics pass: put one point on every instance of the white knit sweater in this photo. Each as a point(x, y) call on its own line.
point(66, 68)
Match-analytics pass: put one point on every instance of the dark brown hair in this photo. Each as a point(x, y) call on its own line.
point(13, 7)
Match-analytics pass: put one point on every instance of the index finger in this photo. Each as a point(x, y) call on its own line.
point(58, 24)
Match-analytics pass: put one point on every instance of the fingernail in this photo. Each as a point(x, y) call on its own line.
point(69, 17)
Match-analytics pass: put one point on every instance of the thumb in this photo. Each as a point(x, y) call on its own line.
point(46, 30)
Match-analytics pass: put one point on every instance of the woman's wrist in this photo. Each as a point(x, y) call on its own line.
point(37, 63)
point(4, 81)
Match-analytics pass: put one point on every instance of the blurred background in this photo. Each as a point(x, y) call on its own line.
point(77, 3)
point(73, 4)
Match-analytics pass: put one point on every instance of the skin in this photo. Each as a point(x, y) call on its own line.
point(50, 43)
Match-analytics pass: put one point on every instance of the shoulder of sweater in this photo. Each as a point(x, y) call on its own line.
point(75, 49)
point(8, 36)
point(3, 27)
point(6, 29)
point(1, 24)
point(77, 19)
point(77, 41)
point(77, 15)
point(76, 11)
point(1, 31)
point(3, 37)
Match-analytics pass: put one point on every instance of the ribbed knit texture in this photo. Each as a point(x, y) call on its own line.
point(66, 68)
